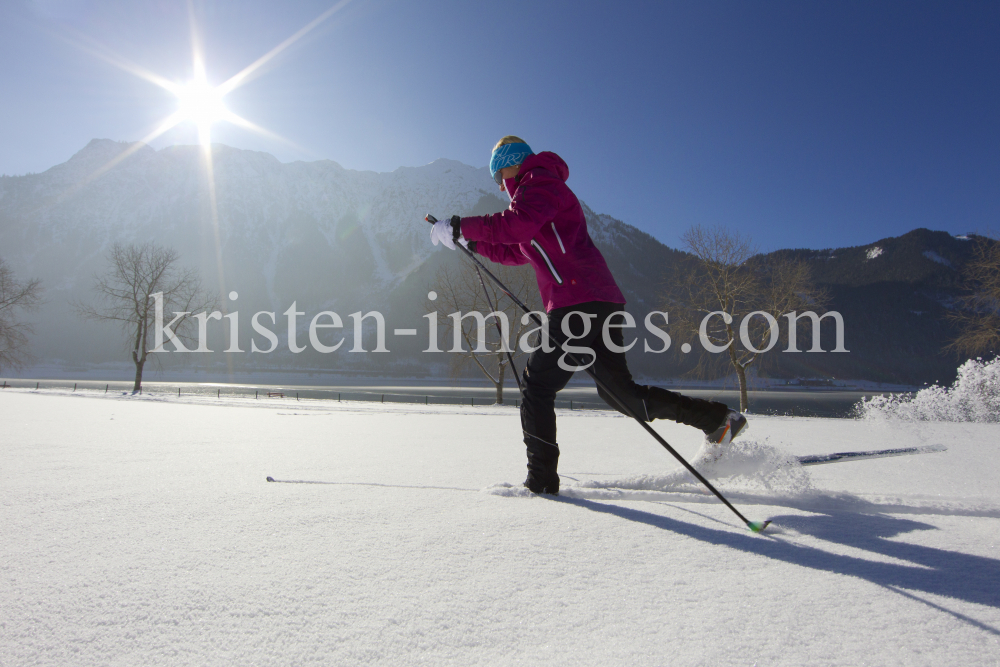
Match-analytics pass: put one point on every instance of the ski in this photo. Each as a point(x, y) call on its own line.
point(860, 456)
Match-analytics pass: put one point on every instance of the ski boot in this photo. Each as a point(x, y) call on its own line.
point(716, 442)
point(549, 486)
point(543, 460)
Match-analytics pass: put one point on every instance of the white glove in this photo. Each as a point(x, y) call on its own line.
point(442, 233)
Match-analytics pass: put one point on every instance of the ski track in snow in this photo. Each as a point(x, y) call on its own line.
point(141, 530)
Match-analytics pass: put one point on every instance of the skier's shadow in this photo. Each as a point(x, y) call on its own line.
point(932, 570)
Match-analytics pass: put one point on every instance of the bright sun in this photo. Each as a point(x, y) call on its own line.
point(201, 104)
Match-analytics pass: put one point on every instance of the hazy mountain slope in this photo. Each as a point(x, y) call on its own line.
point(319, 235)
point(329, 238)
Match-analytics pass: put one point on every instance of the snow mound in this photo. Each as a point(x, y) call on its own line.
point(755, 465)
point(973, 397)
point(508, 490)
point(749, 466)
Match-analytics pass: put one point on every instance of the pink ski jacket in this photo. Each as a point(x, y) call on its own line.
point(544, 226)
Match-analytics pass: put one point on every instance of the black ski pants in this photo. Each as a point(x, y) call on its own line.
point(544, 377)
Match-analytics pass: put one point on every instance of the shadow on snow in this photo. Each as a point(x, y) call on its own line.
point(936, 571)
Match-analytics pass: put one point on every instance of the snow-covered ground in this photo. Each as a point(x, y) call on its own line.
point(141, 531)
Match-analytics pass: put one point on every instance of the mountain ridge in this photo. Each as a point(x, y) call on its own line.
point(327, 237)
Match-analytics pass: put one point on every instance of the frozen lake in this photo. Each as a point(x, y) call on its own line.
point(786, 402)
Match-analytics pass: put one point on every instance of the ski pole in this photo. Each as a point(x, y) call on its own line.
point(431, 219)
point(755, 526)
point(496, 321)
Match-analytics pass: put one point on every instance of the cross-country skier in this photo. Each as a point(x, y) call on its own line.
point(544, 226)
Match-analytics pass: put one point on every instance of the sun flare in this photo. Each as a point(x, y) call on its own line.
point(198, 102)
point(201, 104)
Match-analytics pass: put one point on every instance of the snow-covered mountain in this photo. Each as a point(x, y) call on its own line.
point(325, 237)
point(329, 238)
point(364, 227)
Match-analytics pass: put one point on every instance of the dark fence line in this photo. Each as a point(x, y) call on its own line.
point(293, 395)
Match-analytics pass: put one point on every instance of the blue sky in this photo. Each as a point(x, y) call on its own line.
point(802, 124)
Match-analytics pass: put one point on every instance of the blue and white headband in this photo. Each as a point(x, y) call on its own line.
point(507, 155)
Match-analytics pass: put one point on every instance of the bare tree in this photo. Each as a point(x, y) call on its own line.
point(979, 317)
point(461, 291)
point(126, 296)
point(728, 277)
point(16, 298)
